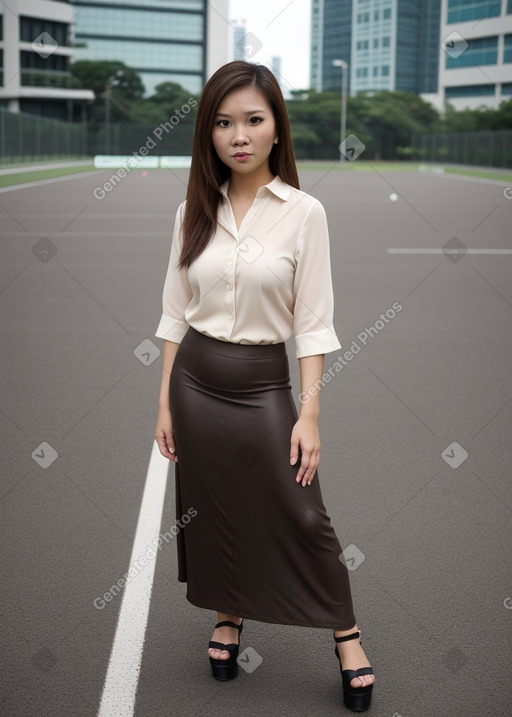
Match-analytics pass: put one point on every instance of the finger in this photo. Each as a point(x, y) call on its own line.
point(294, 451)
point(306, 458)
point(311, 469)
point(168, 451)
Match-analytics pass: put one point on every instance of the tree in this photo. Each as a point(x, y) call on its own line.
point(384, 121)
point(94, 75)
point(167, 100)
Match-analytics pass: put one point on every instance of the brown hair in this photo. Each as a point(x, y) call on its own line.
point(208, 172)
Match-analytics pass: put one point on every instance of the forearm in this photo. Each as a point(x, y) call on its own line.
point(311, 369)
point(168, 355)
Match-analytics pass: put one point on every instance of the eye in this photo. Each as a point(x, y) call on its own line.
point(258, 120)
point(219, 123)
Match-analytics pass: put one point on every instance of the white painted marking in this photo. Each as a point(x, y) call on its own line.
point(41, 182)
point(400, 250)
point(118, 698)
point(41, 167)
point(480, 180)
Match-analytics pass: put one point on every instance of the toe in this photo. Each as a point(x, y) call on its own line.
point(362, 681)
point(218, 654)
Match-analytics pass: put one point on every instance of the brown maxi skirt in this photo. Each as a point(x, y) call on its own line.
point(257, 544)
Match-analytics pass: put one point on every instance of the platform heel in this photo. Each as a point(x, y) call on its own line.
point(357, 699)
point(226, 669)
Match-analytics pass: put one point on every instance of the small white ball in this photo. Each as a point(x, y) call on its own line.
point(393, 197)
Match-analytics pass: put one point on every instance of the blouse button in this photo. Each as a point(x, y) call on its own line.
point(229, 286)
point(230, 316)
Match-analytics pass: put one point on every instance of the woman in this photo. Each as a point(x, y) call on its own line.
point(249, 267)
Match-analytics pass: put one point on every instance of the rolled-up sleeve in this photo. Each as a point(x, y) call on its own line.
point(313, 324)
point(177, 293)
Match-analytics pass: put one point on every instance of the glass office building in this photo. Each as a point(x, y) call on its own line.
point(389, 44)
point(476, 58)
point(331, 32)
point(164, 40)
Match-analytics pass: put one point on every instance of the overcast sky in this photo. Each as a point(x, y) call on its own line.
point(283, 27)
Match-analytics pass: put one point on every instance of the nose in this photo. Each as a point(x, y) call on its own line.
point(240, 135)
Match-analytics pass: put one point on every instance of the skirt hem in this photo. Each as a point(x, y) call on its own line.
point(259, 618)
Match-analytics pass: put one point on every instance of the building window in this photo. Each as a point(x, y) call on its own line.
point(51, 71)
point(386, 13)
point(507, 50)
point(138, 24)
point(376, 15)
point(506, 88)
point(509, 7)
point(363, 17)
point(32, 27)
point(362, 44)
point(375, 43)
point(362, 72)
point(375, 71)
point(481, 51)
point(385, 71)
point(460, 10)
point(470, 91)
point(386, 41)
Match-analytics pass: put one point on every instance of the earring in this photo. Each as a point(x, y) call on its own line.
point(275, 141)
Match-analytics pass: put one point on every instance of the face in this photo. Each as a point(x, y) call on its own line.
point(244, 130)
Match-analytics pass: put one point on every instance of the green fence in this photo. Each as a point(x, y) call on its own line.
point(162, 139)
point(26, 138)
point(483, 149)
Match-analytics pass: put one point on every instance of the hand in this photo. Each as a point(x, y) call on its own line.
point(306, 437)
point(164, 435)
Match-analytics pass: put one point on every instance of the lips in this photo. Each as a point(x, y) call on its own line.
point(242, 154)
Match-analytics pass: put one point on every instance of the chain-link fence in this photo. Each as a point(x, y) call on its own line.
point(483, 149)
point(162, 139)
point(26, 138)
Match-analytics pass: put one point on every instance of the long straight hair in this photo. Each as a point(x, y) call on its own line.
point(208, 172)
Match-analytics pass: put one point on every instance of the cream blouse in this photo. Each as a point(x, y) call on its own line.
point(261, 284)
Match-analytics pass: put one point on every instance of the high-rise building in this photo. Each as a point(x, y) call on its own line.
point(276, 67)
point(475, 65)
point(331, 32)
point(388, 44)
point(238, 42)
point(181, 41)
point(36, 48)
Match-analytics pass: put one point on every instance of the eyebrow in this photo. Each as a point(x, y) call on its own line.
point(251, 112)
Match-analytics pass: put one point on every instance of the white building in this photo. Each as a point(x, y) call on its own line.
point(182, 41)
point(36, 45)
point(475, 66)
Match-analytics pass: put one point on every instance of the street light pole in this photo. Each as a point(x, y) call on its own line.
point(111, 80)
point(108, 97)
point(344, 87)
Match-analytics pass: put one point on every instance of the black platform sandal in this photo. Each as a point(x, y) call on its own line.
point(357, 699)
point(226, 669)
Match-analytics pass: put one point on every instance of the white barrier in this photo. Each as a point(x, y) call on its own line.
point(134, 161)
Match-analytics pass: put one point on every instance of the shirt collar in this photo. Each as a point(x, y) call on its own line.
point(276, 186)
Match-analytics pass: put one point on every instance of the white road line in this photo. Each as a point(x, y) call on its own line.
point(41, 182)
point(42, 167)
point(400, 250)
point(119, 690)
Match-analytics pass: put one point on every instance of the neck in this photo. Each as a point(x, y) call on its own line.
point(246, 185)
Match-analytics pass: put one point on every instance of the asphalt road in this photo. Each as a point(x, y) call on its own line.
point(415, 468)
